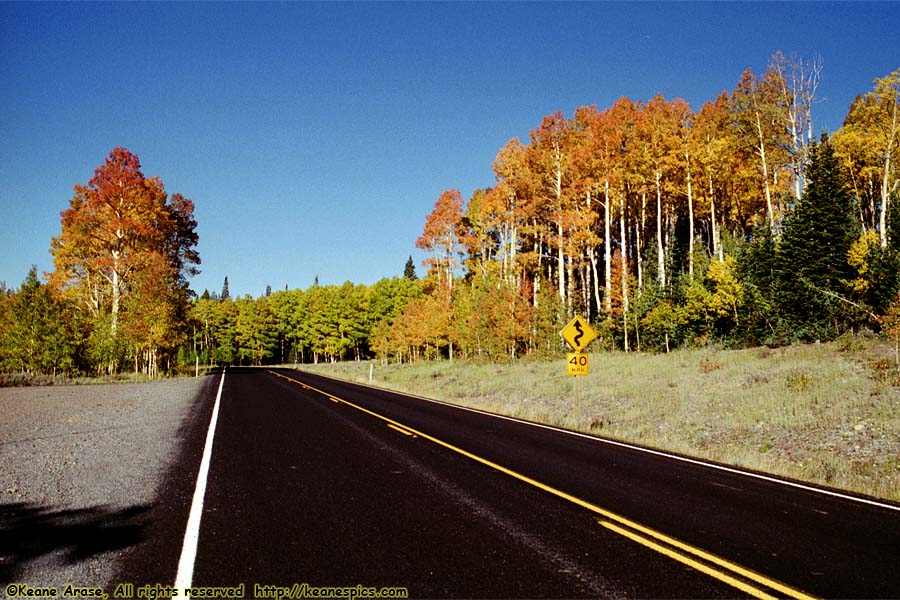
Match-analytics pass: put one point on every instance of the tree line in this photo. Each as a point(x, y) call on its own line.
point(294, 326)
point(666, 226)
point(733, 224)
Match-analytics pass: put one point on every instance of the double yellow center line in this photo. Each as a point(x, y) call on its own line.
point(750, 582)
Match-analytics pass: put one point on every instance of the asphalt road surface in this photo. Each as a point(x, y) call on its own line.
point(325, 483)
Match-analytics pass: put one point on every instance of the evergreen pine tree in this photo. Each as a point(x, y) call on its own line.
point(225, 293)
point(409, 271)
point(813, 273)
point(44, 339)
point(757, 264)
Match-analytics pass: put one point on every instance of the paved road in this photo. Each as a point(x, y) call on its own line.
point(328, 483)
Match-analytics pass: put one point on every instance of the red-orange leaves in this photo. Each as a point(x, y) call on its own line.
point(119, 233)
point(439, 236)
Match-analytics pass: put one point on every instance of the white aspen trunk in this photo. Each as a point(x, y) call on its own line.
point(538, 249)
point(586, 286)
point(712, 211)
point(505, 250)
point(640, 247)
point(798, 162)
point(549, 275)
point(114, 315)
point(607, 253)
point(796, 159)
point(502, 248)
point(669, 228)
point(561, 263)
point(116, 280)
point(793, 116)
point(449, 272)
point(885, 179)
point(438, 265)
point(690, 199)
point(624, 255)
point(593, 256)
point(93, 301)
point(661, 254)
point(512, 233)
point(561, 258)
point(770, 213)
point(885, 201)
point(872, 211)
point(513, 237)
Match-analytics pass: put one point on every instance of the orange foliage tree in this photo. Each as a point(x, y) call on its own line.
point(440, 237)
point(125, 246)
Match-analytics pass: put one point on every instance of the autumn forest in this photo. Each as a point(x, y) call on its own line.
point(738, 224)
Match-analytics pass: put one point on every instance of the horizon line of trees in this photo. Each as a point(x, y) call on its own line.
point(665, 226)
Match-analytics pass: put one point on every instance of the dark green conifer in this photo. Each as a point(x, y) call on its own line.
point(409, 271)
point(813, 272)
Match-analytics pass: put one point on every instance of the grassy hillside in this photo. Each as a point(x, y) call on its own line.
point(826, 413)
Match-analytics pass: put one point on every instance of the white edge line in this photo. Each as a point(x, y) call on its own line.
point(185, 575)
point(611, 442)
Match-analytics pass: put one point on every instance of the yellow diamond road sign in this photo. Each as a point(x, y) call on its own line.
point(578, 333)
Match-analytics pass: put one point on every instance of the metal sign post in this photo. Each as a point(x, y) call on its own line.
point(577, 334)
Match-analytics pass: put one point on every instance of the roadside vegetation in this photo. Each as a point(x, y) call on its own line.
point(824, 413)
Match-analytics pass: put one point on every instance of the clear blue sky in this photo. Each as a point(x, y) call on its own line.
point(315, 138)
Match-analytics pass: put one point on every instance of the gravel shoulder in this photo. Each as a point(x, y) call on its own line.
point(81, 470)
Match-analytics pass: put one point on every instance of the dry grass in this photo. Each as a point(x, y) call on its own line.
point(41, 379)
point(826, 413)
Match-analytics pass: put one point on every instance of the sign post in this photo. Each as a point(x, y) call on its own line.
point(577, 334)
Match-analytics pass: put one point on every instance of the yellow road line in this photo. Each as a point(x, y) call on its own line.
point(402, 430)
point(721, 576)
point(611, 516)
point(735, 568)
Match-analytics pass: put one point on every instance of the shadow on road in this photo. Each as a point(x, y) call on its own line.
point(30, 531)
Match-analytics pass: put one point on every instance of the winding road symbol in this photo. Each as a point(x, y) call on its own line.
point(578, 334)
point(580, 331)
